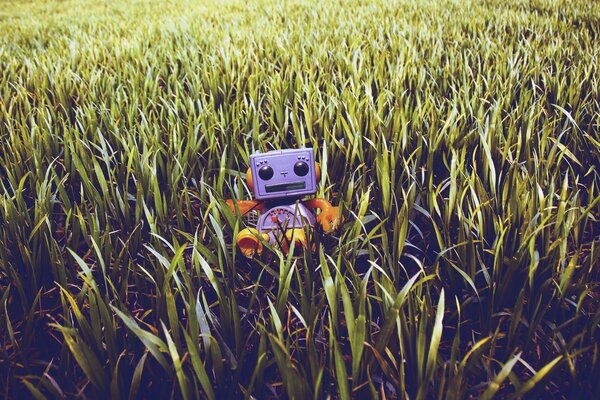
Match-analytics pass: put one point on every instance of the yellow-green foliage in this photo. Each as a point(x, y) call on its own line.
point(461, 139)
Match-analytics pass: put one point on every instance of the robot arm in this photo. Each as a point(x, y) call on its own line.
point(329, 217)
point(245, 206)
point(248, 239)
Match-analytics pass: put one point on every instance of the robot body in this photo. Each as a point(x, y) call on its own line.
point(280, 179)
point(281, 218)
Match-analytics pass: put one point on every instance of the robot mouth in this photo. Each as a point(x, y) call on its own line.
point(284, 187)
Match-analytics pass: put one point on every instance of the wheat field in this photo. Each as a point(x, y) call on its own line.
point(460, 139)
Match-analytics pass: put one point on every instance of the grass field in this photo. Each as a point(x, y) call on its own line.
point(461, 140)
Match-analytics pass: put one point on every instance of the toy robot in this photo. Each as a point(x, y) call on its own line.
point(280, 179)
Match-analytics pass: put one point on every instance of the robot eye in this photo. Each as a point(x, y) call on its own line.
point(301, 168)
point(265, 172)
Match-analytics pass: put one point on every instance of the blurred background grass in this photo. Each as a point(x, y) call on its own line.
point(460, 138)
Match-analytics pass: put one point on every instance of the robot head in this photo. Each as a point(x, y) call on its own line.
point(283, 173)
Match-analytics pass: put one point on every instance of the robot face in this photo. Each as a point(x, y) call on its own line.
point(283, 173)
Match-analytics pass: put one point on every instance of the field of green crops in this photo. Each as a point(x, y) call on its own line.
point(460, 138)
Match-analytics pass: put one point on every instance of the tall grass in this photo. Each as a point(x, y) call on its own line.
point(460, 138)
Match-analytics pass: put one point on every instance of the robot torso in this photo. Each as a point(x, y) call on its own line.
point(277, 219)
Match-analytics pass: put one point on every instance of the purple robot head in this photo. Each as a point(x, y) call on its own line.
point(283, 173)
